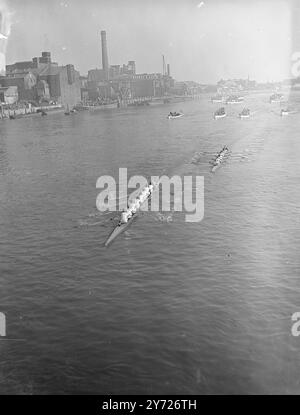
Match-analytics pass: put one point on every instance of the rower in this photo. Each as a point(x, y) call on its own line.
point(140, 201)
point(143, 197)
point(137, 202)
point(147, 191)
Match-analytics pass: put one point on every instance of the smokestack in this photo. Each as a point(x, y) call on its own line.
point(104, 54)
point(168, 69)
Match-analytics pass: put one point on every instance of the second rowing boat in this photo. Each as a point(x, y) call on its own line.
point(217, 162)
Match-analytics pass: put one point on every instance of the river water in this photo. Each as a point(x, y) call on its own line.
point(170, 306)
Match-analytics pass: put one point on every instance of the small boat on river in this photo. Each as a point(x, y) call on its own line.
point(245, 113)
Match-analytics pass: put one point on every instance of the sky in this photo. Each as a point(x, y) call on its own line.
point(203, 41)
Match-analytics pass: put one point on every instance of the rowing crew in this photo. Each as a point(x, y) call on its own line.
point(174, 114)
point(134, 206)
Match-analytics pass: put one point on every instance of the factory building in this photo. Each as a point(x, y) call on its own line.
point(8, 95)
point(122, 81)
point(64, 84)
point(141, 85)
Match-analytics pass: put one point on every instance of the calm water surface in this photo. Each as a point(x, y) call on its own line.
point(170, 307)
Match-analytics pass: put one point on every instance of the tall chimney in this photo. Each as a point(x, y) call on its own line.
point(104, 54)
point(168, 70)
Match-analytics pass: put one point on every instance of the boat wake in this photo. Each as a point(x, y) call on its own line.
point(85, 222)
point(201, 157)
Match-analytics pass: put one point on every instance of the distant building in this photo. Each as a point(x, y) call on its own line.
point(142, 85)
point(128, 69)
point(84, 88)
point(25, 84)
point(96, 75)
point(41, 80)
point(237, 84)
point(115, 71)
point(36, 64)
point(8, 95)
point(95, 78)
point(180, 88)
point(64, 84)
point(83, 81)
point(43, 91)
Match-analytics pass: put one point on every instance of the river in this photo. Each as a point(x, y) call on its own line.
point(170, 306)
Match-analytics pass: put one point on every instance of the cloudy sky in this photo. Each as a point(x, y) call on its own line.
point(202, 40)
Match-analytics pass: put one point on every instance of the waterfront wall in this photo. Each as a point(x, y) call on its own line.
point(22, 112)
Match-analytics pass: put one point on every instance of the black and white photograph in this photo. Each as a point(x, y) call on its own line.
point(150, 203)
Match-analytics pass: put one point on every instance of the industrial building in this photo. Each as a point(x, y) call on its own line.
point(121, 82)
point(41, 80)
